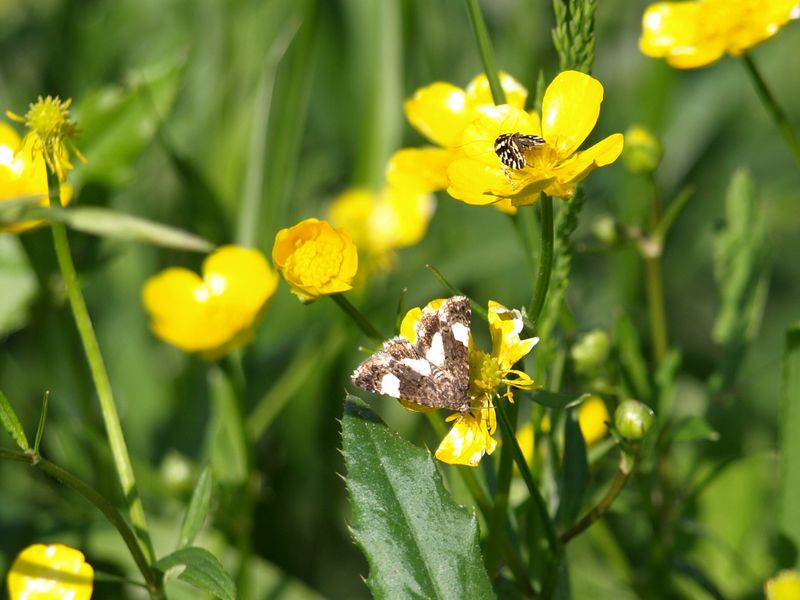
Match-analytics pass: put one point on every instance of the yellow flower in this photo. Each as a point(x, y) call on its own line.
point(315, 259)
point(592, 418)
point(695, 34)
point(23, 174)
point(50, 130)
point(53, 572)
point(471, 434)
point(570, 109)
point(214, 314)
point(379, 223)
point(440, 112)
point(784, 586)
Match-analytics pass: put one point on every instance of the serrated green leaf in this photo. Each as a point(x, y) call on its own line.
point(228, 452)
point(692, 429)
point(198, 567)
point(575, 473)
point(418, 542)
point(198, 509)
point(789, 506)
point(12, 424)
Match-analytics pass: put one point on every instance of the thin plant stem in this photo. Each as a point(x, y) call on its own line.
point(51, 469)
point(357, 317)
point(545, 259)
point(772, 106)
point(477, 308)
point(485, 50)
point(108, 408)
point(500, 508)
point(655, 287)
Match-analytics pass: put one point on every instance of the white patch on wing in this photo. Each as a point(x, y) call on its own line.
point(420, 365)
point(435, 353)
point(461, 333)
point(390, 385)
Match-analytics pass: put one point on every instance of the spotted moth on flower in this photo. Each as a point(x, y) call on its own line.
point(432, 372)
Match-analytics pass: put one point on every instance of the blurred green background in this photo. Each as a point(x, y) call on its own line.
point(187, 107)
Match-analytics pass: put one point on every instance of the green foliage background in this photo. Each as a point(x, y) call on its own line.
point(187, 107)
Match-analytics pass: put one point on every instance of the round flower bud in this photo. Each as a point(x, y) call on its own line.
point(605, 230)
point(590, 351)
point(633, 419)
point(642, 151)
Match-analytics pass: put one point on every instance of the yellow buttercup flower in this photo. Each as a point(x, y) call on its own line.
point(23, 174)
point(50, 131)
point(315, 259)
point(380, 223)
point(570, 109)
point(214, 314)
point(694, 34)
point(784, 586)
point(440, 112)
point(54, 572)
point(593, 418)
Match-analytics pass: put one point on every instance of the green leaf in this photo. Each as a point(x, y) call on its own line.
point(575, 474)
point(557, 400)
point(228, 452)
point(789, 419)
point(634, 366)
point(692, 429)
point(200, 568)
point(198, 509)
point(418, 542)
point(18, 282)
point(12, 424)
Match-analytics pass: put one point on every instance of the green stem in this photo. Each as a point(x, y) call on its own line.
point(477, 308)
point(103, 505)
point(358, 318)
point(655, 288)
point(625, 469)
point(485, 50)
point(545, 259)
point(500, 509)
point(119, 450)
point(771, 104)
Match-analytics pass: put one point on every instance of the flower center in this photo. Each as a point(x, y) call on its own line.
point(316, 262)
point(485, 374)
point(49, 118)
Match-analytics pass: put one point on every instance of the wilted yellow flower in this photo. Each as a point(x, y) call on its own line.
point(784, 586)
point(379, 223)
point(695, 34)
point(50, 131)
point(570, 109)
point(54, 572)
point(315, 259)
point(593, 418)
point(214, 314)
point(440, 112)
point(23, 174)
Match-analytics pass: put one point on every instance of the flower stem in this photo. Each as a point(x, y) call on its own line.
point(119, 450)
point(103, 505)
point(358, 318)
point(545, 259)
point(655, 288)
point(625, 469)
point(485, 50)
point(774, 110)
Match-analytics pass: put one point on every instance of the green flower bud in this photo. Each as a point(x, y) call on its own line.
point(177, 471)
point(590, 351)
point(642, 151)
point(605, 230)
point(633, 419)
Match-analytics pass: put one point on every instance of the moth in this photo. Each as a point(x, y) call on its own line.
point(511, 148)
point(432, 372)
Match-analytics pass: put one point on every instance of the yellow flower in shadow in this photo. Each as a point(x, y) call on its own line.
point(315, 259)
point(694, 34)
point(52, 572)
point(215, 313)
point(380, 223)
point(593, 419)
point(570, 109)
point(441, 112)
point(784, 586)
point(23, 174)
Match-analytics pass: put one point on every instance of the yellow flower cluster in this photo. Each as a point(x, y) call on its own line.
point(23, 174)
point(54, 572)
point(694, 34)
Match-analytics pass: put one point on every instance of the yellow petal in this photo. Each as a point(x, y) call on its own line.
point(480, 94)
point(472, 181)
point(467, 441)
point(244, 279)
point(784, 586)
point(505, 326)
point(409, 323)
point(592, 418)
point(570, 109)
point(759, 21)
point(669, 25)
point(440, 112)
point(50, 572)
point(581, 164)
point(423, 169)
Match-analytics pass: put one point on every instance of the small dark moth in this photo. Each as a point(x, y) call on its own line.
point(432, 372)
point(511, 148)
